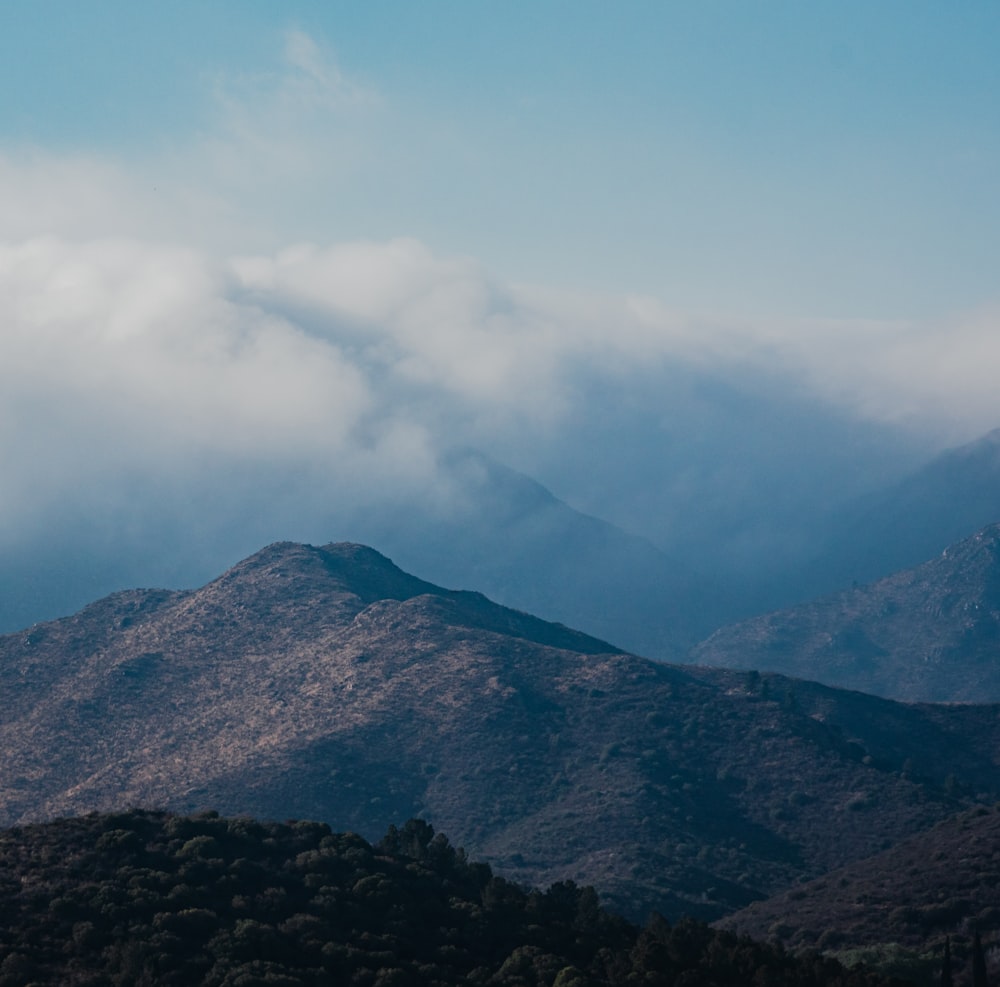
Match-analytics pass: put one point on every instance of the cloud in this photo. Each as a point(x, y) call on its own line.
point(371, 359)
point(190, 252)
point(426, 325)
point(118, 357)
point(316, 78)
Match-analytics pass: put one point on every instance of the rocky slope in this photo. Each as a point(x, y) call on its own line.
point(931, 633)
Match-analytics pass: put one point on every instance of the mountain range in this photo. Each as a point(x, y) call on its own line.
point(657, 582)
point(326, 683)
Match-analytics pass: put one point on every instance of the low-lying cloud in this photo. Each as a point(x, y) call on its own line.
point(356, 357)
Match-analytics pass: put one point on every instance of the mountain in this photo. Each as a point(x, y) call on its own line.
point(326, 683)
point(491, 528)
point(512, 539)
point(931, 633)
point(741, 551)
point(937, 884)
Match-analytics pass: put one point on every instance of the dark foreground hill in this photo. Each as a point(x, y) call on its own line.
point(141, 898)
point(901, 903)
point(325, 683)
point(931, 633)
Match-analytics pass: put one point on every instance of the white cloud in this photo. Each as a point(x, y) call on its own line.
point(365, 360)
point(433, 325)
point(118, 357)
point(316, 78)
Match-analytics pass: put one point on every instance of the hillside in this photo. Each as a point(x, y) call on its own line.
point(940, 883)
point(326, 683)
point(143, 898)
point(931, 633)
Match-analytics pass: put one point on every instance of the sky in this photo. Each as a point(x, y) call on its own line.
point(611, 245)
point(752, 159)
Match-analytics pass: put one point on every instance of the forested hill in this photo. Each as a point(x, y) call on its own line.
point(905, 902)
point(142, 898)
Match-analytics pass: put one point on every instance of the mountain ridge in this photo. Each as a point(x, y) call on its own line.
point(929, 633)
point(277, 691)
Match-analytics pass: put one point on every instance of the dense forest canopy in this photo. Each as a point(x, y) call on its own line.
point(144, 898)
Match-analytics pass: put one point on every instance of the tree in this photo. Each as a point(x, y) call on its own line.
point(946, 964)
point(978, 963)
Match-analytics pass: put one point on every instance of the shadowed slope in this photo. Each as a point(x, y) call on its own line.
point(937, 884)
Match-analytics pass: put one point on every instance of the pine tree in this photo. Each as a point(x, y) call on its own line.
point(978, 963)
point(946, 964)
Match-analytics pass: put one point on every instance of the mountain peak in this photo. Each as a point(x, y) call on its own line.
point(345, 566)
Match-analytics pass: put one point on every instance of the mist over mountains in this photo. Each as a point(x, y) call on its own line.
point(715, 549)
point(172, 410)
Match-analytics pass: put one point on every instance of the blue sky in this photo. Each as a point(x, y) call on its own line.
point(754, 159)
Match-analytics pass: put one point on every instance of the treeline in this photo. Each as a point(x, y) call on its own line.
point(144, 898)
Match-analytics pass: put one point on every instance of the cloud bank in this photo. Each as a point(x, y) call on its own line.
point(369, 359)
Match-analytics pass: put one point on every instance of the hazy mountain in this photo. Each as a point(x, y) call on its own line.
point(914, 519)
point(703, 534)
point(326, 683)
point(510, 538)
point(743, 532)
point(930, 633)
point(938, 883)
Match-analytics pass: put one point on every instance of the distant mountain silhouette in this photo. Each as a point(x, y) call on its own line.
point(930, 633)
point(326, 683)
point(514, 540)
